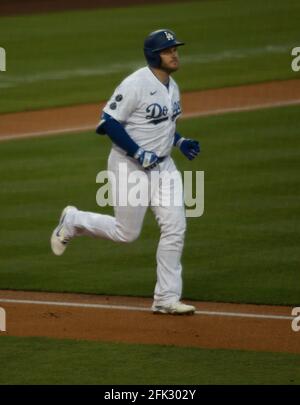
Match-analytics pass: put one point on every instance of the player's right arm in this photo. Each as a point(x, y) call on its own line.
point(119, 136)
point(117, 111)
point(117, 133)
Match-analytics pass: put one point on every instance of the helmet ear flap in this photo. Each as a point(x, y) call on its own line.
point(153, 58)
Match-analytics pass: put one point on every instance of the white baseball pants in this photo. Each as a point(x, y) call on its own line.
point(127, 223)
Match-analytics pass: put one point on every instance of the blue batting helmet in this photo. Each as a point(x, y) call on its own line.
point(157, 41)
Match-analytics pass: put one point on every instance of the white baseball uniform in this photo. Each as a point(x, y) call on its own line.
point(148, 110)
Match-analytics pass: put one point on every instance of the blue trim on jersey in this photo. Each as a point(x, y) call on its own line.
point(117, 134)
point(155, 122)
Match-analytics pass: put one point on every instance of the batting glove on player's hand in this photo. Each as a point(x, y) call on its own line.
point(146, 158)
point(189, 148)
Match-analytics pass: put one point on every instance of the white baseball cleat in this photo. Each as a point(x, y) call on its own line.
point(59, 237)
point(177, 308)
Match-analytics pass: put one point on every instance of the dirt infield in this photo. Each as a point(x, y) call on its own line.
point(15, 7)
point(124, 319)
point(195, 104)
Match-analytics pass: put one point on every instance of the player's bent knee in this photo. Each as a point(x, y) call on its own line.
point(128, 237)
point(131, 238)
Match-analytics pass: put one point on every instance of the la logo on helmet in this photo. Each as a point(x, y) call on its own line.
point(169, 36)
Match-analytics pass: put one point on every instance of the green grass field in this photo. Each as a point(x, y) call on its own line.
point(245, 246)
point(80, 362)
point(243, 249)
point(79, 56)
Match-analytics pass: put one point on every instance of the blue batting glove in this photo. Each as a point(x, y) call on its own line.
point(148, 160)
point(189, 148)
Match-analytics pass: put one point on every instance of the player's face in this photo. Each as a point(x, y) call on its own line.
point(169, 59)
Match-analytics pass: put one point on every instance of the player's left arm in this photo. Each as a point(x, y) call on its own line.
point(189, 147)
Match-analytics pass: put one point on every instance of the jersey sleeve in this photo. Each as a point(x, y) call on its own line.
point(123, 102)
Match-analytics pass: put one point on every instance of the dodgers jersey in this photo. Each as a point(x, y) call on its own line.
point(147, 109)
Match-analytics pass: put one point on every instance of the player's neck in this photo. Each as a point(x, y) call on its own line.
point(162, 76)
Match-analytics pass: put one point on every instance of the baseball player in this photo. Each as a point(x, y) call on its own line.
point(140, 119)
